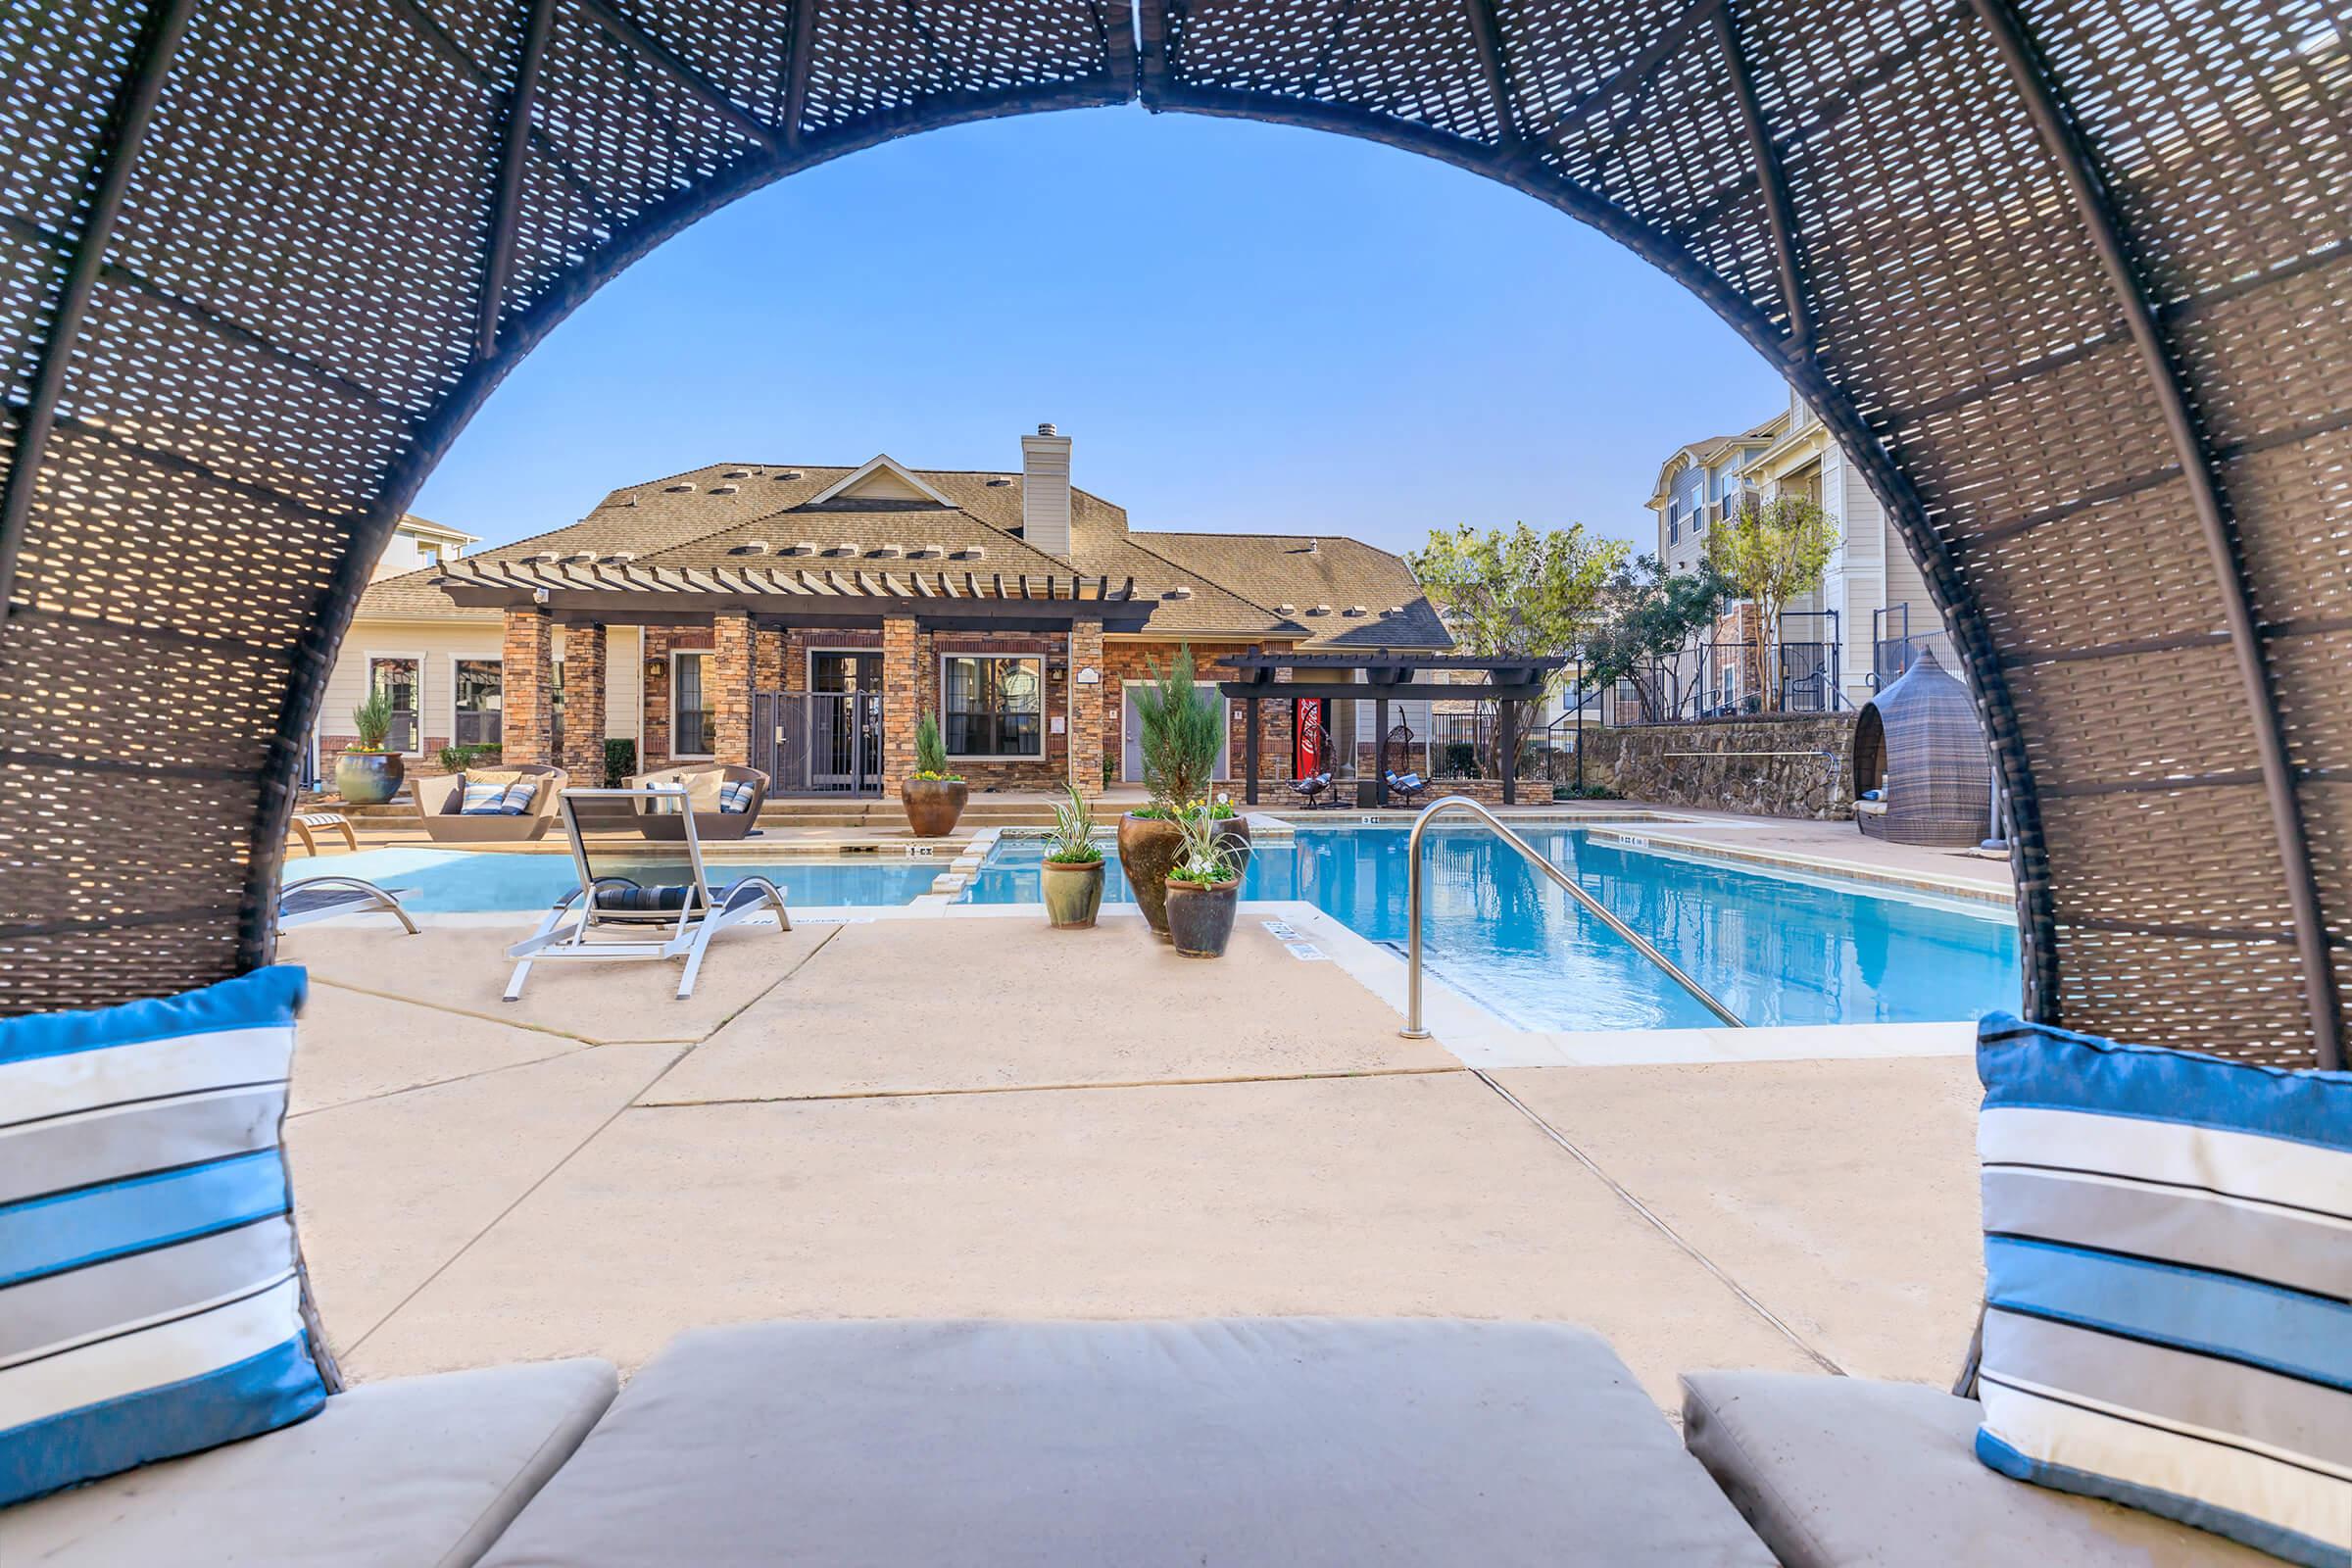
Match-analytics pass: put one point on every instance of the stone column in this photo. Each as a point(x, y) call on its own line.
point(584, 678)
point(901, 699)
point(730, 694)
point(768, 661)
point(526, 687)
point(1086, 707)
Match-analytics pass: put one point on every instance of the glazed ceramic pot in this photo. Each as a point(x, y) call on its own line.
point(1147, 851)
point(1073, 892)
point(1200, 918)
point(933, 805)
point(369, 778)
point(1233, 836)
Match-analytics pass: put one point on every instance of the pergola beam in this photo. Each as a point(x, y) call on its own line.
point(804, 57)
point(1779, 214)
point(692, 81)
point(2069, 148)
point(119, 152)
point(1493, 66)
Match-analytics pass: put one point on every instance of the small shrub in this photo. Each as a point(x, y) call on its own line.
point(371, 721)
point(1110, 771)
point(931, 753)
point(1074, 841)
point(620, 761)
point(1461, 760)
point(1585, 792)
point(459, 759)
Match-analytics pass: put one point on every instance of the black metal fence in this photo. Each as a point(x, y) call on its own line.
point(1724, 679)
point(819, 743)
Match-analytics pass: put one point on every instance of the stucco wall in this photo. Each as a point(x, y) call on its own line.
point(1793, 766)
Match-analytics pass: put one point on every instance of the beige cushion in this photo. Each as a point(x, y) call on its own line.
point(1294, 1442)
point(413, 1473)
point(1838, 1471)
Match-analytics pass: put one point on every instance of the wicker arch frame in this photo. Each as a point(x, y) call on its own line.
point(2068, 280)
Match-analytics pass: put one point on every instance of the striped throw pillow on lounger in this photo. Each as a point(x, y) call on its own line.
point(2168, 1257)
point(150, 1288)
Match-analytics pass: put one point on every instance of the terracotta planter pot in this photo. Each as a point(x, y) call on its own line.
point(369, 778)
point(1148, 850)
point(933, 805)
point(1200, 918)
point(1073, 892)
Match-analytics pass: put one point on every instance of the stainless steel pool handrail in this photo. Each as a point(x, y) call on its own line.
point(1413, 1029)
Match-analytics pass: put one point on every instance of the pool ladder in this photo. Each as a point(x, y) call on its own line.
point(1413, 1029)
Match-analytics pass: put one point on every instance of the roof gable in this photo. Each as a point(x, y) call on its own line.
point(884, 478)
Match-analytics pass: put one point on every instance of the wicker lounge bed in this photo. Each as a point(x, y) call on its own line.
point(440, 802)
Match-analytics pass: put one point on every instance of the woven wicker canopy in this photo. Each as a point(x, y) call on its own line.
point(2067, 279)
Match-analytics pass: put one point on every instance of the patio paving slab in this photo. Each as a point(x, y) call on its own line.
point(1413, 1196)
point(352, 1045)
point(899, 1006)
point(464, 969)
point(1841, 1194)
point(390, 1189)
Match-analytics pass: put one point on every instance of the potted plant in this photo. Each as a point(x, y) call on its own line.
point(934, 797)
point(1073, 872)
point(1202, 888)
point(1233, 831)
point(367, 773)
point(1180, 740)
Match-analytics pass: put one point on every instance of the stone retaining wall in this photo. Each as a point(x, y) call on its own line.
point(1795, 764)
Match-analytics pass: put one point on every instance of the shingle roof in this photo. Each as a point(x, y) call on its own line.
point(1304, 572)
point(1204, 585)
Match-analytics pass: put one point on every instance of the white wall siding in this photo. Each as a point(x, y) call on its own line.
point(438, 644)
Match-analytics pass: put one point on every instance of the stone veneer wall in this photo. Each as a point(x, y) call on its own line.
point(1123, 661)
point(1804, 775)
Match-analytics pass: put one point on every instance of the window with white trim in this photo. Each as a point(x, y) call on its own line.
point(993, 704)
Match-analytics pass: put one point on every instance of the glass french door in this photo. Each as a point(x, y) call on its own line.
point(845, 718)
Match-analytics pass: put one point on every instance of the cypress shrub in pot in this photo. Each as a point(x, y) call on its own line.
point(1180, 740)
point(933, 797)
point(1073, 872)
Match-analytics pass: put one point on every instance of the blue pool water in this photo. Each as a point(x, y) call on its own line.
point(445, 881)
point(1773, 950)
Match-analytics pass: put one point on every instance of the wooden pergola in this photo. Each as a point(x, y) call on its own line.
point(1385, 676)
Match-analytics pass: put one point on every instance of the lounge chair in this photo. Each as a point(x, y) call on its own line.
point(1311, 789)
point(638, 898)
point(441, 805)
point(722, 809)
point(1410, 785)
point(328, 898)
point(326, 821)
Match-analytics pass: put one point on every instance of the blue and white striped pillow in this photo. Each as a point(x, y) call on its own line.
point(151, 1287)
point(2168, 1255)
point(736, 797)
point(520, 796)
point(485, 797)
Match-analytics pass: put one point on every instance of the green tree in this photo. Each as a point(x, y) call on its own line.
point(1646, 615)
point(1516, 591)
point(1182, 731)
point(1769, 553)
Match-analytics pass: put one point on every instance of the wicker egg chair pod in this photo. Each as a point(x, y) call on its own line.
point(1918, 740)
point(2068, 280)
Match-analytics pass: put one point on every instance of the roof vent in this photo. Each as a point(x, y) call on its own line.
point(1286, 608)
point(848, 547)
point(633, 501)
point(749, 546)
point(972, 553)
point(1357, 610)
point(925, 552)
point(788, 473)
point(736, 473)
point(724, 489)
point(1048, 430)
point(998, 484)
point(1315, 547)
point(622, 556)
point(675, 489)
point(888, 551)
point(581, 554)
point(802, 547)
point(1320, 610)
point(1395, 610)
point(1180, 590)
point(547, 555)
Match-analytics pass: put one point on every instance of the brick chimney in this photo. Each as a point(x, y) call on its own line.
point(1046, 491)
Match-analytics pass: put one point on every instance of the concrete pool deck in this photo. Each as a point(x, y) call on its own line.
point(969, 1114)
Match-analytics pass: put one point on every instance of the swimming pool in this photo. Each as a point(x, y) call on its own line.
point(1774, 950)
point(447, 881)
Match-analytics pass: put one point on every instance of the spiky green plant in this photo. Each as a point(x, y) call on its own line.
point(371, 721)
point(930, 752)
point(1202, 858)
point(1181, 732)
point(1074, 841)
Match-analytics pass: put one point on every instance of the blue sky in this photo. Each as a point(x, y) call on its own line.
point(1244, 326)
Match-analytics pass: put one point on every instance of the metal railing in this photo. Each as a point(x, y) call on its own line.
point(1413, 1029)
